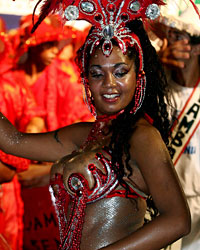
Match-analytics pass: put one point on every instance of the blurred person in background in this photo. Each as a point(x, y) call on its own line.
point(61, 101)
point(180, 54)
point(22, 112)
point(66, 58)
point(38, 69)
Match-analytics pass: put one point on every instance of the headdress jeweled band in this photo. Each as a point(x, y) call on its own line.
point(109, 19)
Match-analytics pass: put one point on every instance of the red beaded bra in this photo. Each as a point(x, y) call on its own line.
point(105, 187)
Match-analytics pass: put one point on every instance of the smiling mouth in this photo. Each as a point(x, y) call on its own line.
point(111, 97)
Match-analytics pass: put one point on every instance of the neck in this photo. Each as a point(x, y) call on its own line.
point(108, 118)
point(189, 75)
point(100, 132)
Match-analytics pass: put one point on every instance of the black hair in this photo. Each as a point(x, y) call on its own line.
point(154, 105)
point(194, 40)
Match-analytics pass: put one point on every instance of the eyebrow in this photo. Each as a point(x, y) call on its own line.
point(115, 65)
point(119, 64)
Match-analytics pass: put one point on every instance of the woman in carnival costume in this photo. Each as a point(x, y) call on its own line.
point(118, 167)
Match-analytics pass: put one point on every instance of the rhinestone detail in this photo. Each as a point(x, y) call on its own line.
point(71, 13)
point(87, 7)
point(108, 32)
point(152, 11)
point(76, 183)
point(135, 6)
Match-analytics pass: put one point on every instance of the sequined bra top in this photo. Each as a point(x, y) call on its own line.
point(106, 186)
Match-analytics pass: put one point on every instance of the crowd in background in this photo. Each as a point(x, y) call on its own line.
point(40, 91)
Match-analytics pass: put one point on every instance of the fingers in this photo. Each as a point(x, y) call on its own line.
point(181, 49)
point(175, 54)
point(173, 62)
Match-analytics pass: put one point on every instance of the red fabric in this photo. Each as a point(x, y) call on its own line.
point(40, 220)
point(6, 50)
point(51, 29)
point(17, 102)
point(59, 94)
point(3, 243)
point(20, 164)
point(18, 106)
point(19, 109)
point(67, 105)
point(11, 214)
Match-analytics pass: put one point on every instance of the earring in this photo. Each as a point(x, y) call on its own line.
point(89, 100)
point(139, 92)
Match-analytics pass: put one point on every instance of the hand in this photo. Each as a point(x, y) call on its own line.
point(175, 54)
point(6, 173)
point(36, 175)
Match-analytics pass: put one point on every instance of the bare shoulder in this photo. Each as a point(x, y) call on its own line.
point(150, 153)
point(147, 146)
point(145, 134)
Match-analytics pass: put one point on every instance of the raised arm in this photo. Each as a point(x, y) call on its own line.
point(173, 222)
point(49, 146)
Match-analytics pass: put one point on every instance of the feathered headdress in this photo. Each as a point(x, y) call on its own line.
point(109, 19)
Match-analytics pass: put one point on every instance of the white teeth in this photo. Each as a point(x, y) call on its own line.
point(110, 96)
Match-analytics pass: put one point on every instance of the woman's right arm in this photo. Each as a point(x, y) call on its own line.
point(49, 146)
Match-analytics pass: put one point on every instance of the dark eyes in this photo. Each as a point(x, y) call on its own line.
point(96, 75)
point(121, 74)
point(117, 74)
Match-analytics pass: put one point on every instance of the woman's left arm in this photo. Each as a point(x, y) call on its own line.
point(173, 221)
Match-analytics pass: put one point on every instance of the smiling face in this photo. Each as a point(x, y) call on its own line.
point(112, 81)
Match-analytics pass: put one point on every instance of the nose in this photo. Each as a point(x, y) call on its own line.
point(109, 80)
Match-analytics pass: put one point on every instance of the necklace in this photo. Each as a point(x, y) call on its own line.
point(100, 129)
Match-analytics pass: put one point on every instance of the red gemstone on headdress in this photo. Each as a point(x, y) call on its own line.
point(124, 17)
point(107, 46)
point(111, 7)
point(98, 17)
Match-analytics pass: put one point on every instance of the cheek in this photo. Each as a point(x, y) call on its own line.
point(130, 85)
point(93, 88)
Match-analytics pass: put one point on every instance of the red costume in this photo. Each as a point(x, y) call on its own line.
point(6, 50)
point(19, 108)
point(60, 96)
